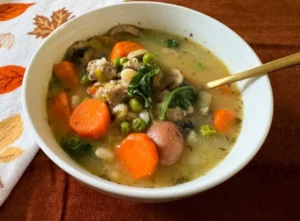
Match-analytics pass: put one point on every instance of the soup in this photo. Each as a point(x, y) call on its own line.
point(128, 107)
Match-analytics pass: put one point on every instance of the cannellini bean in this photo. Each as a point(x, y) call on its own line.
point(127, 74)
point(121, 111)
point(75, 100)
point(104, 154)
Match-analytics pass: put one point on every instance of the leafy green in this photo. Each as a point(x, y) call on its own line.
point(182, 97)
point(141, 84)
point(171, 43)
point(74, 146)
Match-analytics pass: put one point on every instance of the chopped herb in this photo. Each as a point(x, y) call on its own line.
point(200, 65)
point(227, 138)
point(190, 148)
point(180, 180)
point(233, 140)
point(191, 35)
point(182, 97)
point(171, 43)
point(238, 121)
point(54, 82)
point(104, 176)
point(222, 149)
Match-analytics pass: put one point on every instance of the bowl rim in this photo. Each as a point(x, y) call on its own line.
point(138, 192)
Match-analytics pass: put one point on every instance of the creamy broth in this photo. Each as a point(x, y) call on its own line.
point(198, 66)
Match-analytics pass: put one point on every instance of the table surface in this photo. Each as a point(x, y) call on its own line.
point(267, 189)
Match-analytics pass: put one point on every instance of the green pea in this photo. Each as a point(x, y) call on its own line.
point(85, 80)
point(135, 105)
point(100, 76)
point(123, 60)
point(138, 125)
point(125, 128)
point(117, 62)
point(207, 130)
point(148, 58)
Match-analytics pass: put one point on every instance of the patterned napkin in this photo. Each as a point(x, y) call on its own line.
point(23, 26)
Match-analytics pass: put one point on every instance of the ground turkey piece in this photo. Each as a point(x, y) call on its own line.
point(178, 114)
point(113, 92)
point(171, 80)
point(103, 65)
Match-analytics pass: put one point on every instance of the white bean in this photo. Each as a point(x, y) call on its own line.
point(127, 74)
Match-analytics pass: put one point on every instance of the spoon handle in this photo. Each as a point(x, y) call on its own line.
point(278, 64)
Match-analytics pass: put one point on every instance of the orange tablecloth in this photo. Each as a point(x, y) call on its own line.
point(267, 189)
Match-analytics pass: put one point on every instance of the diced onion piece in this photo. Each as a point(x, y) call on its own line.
point(75, 100)
point(193, 139)
point(104, 154)
point(144, 115)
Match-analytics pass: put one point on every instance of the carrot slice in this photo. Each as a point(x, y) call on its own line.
point(92, 89)
point(60, 111)
point(138, 154)
point(90, 119)
point(123, 48)
point(66, 72)
point(224, 119)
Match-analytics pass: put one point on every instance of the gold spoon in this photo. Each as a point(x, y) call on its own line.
point(278, 64)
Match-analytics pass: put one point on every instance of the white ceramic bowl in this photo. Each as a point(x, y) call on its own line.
point(223, 42)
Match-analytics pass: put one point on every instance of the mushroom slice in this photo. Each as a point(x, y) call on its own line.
point(77, 49)
point(81, 53)
point(133, 30)
point(137, 54)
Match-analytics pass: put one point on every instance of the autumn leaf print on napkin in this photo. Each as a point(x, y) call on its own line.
point(11, 129)
point(11, 10)
point(6, 40)
point(44, 25)
point(11, 77)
